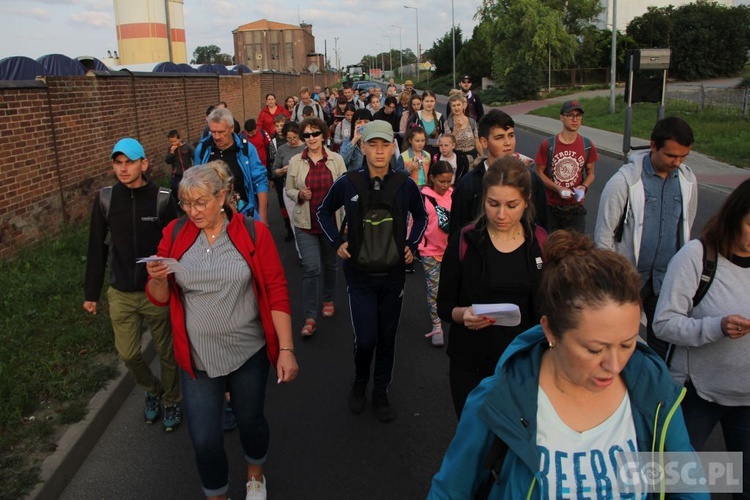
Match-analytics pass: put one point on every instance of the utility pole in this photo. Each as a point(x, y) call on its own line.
point(419, 52)
point(453, 25)
point(613, 62)
point(400, 51)
point(336, 52)
point(390, 49)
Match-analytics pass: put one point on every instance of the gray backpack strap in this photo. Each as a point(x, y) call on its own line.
point(105, 201)
point(162, 202)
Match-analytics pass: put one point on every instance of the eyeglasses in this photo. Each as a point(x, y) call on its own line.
point(308, 135)
point(199, 206)
point(574, 116)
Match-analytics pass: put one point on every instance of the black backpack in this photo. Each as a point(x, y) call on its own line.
point(378, 235)
point(105, 201)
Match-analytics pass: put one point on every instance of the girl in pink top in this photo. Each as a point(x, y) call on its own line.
point(437, 201)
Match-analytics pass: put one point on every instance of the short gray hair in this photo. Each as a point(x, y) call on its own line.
point(219, 115)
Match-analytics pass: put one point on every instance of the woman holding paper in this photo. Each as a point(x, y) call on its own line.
point(496, 260)
point(571, 397)
point(230, 320)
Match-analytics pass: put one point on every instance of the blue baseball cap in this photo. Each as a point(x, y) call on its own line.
point(130, 148)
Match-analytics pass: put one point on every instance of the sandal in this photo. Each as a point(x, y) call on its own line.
point(328, 310)
point(309, 328)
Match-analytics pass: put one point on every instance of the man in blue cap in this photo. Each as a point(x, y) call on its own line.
point(127, 221)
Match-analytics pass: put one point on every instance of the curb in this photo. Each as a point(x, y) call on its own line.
point(77, 442)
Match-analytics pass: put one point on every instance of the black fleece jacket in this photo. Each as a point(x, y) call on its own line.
point(135, 229)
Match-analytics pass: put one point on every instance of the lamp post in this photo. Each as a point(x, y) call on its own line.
point(419, 52)
point(381, 59)
point(390, 49)
point(453, 27)
point(400, 51)
point(336, 51)
point(613, 63)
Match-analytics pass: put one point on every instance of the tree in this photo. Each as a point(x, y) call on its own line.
point(708, 40)
point(205, 54)
point(472, 60)
point(652, 29)
point(441, 52)
point(523, 33)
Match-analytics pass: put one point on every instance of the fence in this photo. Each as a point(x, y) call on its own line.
point(729, 100)
point(56, 136)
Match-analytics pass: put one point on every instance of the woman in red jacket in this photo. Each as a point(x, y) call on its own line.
point(267, 114)
point(230, 314)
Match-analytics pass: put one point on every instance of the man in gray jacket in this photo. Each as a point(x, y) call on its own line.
point(647, 210)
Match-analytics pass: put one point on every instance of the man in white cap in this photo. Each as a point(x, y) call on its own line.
point(375, 280)
point(127, 221)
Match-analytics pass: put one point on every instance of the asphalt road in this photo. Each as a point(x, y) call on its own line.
point(318, 448)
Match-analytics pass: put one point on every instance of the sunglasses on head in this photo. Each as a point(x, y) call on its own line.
point(307, 135)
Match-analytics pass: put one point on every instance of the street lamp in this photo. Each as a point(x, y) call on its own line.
point(336, 51)
point(400, 51)
point(453, 27)
point(419, 53)
point(613, 63)
point(390, 49)
point(382, 61)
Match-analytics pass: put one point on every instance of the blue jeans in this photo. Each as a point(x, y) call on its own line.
point(203, 403)
point(375, 308)
point(317, 254)
point(701, 417)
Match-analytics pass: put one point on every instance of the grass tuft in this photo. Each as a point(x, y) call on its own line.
point(53, 355)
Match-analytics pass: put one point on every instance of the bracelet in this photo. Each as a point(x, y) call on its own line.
point(290, 349)
point(585, 188)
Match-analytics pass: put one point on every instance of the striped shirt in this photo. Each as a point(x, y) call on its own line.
point(221, 310)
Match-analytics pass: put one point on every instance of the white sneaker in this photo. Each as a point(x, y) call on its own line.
point(256, 490)
point(436, 336)
point(437, 340)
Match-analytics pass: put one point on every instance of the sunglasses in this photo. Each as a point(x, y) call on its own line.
point(308, 135)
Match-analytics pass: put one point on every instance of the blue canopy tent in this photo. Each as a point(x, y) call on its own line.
point(60, 65)
point(92, 63)
point(186, 68)
point(239, 69)
point(218, 69)
point(20, 68)
point(166, 67)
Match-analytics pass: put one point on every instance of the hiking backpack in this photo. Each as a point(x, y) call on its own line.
point(377, 239)
point(105, 202)
point(551, 152)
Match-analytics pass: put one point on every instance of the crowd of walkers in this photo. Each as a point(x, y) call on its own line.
point(547, 380)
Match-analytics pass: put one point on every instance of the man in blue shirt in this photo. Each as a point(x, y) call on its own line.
point(647, 210)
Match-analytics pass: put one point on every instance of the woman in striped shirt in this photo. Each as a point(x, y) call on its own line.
point(230, 314)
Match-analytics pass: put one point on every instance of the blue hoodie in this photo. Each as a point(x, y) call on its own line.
point(505, 405)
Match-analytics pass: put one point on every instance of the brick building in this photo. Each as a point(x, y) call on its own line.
point(268, 45)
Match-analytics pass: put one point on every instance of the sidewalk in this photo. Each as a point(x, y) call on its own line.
point(710, 172)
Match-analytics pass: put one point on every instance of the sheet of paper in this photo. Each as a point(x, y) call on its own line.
point(503, 314)
point(173, 265)
point(580, 193)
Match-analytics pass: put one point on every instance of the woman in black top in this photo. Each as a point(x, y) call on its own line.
point(497, 259)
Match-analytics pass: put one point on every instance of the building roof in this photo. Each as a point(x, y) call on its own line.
point(265, 24)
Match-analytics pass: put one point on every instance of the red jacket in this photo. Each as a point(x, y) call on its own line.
point(265, 118)
point(269, 281)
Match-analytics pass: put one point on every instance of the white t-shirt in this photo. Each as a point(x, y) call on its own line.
point(583, 464)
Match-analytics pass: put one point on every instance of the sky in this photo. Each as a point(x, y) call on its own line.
point(87, 27)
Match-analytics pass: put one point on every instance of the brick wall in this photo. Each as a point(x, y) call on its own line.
point(56, 138)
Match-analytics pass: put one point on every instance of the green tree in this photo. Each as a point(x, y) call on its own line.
point(652, 29)
point(708, 40)
point(205, 54)
point(224, 59)
point(441, 52)
point(473, 57)
point(522, 35)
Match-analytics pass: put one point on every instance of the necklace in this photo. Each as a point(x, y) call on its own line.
point(498, 238)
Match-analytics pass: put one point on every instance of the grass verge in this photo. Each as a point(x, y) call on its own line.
point(721, 133)
point(53, 356)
